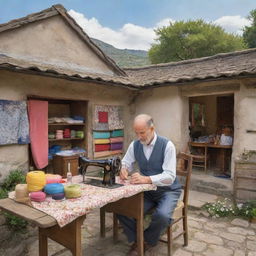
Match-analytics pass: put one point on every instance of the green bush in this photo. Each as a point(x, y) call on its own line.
point(221, 208)
point(226, 208)
point(15, 177)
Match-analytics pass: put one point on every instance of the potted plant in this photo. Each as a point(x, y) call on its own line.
point(253, 215)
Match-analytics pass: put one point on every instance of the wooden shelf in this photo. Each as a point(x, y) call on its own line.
point(65, 139)
point(65, 124)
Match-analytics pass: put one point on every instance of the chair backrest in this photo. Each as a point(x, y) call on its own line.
point(184, 169)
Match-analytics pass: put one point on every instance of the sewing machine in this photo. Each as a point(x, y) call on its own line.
point(111, 168)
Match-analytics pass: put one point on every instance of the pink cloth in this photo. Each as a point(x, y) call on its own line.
point(38, 130)
point(117, 139)
point(65, 211)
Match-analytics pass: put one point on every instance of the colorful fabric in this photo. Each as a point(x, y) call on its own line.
point(65, 211)
point(38, 120)
point(102, 147)
point(117, 133)
point(103, 117)
point(117, 139)
point(102, 141)
point(14, 125)
point(101, 135)
point(116, 146)
point(115, 117)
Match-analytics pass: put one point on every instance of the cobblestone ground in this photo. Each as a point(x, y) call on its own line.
point(207, 237)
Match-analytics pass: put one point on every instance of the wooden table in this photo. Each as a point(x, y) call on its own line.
point(70, 235)
point(130, 207)
point(221, 149)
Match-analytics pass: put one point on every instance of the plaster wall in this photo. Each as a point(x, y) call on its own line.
point(51, 41)
point(169, 111)
point(244, 119)
point(14, 86)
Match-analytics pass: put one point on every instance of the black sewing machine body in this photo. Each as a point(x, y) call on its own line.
point(110, 166)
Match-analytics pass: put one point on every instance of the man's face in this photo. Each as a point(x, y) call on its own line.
point(144, 133)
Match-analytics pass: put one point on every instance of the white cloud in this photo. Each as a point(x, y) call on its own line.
point(130, 36)
point(232, 24)
point(136, 37)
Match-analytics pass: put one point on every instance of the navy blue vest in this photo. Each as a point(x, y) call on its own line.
point(153, 165)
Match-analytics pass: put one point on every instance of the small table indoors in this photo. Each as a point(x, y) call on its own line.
point(223, 153)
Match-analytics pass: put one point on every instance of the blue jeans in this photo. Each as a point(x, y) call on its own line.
point(164, 201)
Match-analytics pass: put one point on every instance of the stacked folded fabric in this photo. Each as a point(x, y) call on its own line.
point(108, 143)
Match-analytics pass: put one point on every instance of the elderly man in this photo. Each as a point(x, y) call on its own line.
point(156, 158)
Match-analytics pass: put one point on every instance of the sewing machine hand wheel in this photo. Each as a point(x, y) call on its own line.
point(116, 164)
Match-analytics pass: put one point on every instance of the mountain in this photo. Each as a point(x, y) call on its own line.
point(124, 58)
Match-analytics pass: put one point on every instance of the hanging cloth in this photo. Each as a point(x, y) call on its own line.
point(38, 124)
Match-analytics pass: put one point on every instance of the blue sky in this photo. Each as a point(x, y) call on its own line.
point(131, 23)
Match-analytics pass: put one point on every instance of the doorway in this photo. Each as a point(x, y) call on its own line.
point(211, 130)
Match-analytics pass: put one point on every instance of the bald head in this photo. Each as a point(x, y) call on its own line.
point(144, 128)
point(144, 119)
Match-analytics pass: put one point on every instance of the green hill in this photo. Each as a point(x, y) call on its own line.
point(124, 58)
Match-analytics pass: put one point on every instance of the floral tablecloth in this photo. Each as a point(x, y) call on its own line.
point(67, 210)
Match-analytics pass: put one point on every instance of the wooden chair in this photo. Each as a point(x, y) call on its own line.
point(184, 169)
point(199, 159)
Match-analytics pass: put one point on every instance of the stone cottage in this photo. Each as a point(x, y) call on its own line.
point(46, 56)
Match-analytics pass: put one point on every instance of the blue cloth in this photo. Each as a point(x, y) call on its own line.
point(153, 166)
point(14, 125)
point(101, 135)
point(163, 200)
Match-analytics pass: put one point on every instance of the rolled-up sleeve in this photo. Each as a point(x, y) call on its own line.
point(168, 175)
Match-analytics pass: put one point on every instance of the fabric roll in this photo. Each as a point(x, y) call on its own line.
point(102, 147)
point(117, 133)
point(101, 141)
point(35, 180)
point(37, 196)
point(116, 146)
point(38, 129)
point(58, 196)
point(53, 188)
point(117, 139)
point(101, 135)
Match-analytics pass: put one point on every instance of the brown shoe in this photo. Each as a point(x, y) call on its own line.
point(133, 250)
point(151, 250)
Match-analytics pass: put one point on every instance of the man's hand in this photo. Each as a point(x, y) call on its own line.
point(123, 174)
point(136, 178)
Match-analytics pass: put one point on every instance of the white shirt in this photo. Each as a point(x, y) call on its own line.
point(168, 175)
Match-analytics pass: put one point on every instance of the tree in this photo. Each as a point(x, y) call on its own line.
point(250, 31)
point(193, 39)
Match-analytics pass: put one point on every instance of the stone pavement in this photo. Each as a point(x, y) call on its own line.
point(207, 236)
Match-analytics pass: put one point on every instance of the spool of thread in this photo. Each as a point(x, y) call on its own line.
point(38, 196)
point(21, 191)
point(53, 178)
point(54, 188)
point(58, 196)
point(35, 180)
point(72, 191)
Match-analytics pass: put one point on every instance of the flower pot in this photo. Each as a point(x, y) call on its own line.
point(253, 220)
